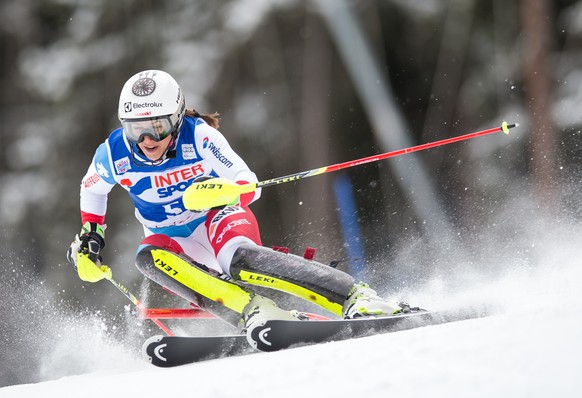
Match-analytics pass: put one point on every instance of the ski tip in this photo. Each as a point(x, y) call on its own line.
point(147, 350)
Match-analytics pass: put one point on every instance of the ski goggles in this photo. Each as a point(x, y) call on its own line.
point(156, 128)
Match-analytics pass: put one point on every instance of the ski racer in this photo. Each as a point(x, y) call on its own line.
point(211, 257)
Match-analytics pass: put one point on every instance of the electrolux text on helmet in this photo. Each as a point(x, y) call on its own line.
point(129, 106)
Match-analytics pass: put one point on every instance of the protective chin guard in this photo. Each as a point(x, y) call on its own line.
point(309, 280)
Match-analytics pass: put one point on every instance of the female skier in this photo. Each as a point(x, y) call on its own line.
point(212, 256)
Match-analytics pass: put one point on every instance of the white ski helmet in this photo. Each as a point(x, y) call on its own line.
point(151, 103)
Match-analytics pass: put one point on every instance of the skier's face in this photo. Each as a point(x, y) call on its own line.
point(154, 150)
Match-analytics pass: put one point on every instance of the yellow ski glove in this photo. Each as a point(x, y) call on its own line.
point(84, 253)
point(91, 272)
point(214, 192)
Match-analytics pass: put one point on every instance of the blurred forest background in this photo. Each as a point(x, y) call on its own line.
point(300, 84)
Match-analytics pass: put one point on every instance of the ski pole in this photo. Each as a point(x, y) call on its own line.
point(374, 158)
point(119, 286)
point(206, 194)
point(139, 305)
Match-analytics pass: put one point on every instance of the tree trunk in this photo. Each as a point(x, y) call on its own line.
point(536, 32)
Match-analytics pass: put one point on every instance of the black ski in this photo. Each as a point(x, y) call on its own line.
point(168, 351)
point(277, 334)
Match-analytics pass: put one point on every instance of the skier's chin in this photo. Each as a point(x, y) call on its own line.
point(152, 153)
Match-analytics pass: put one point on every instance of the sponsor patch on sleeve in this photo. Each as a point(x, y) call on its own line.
point(91, 180)
point(102, 170)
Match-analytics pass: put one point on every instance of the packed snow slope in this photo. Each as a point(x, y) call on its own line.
point(534, 353)
point(532, 348)
point(531, 272)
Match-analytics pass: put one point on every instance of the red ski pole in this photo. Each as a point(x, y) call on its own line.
point(219, 192)
point(139, 305)
point(375, 158)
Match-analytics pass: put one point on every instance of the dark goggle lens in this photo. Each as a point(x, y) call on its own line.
point(157, 129)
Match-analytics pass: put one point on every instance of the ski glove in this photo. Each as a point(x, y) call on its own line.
point(84, 253)
point(212, 193)
point(92, 237)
